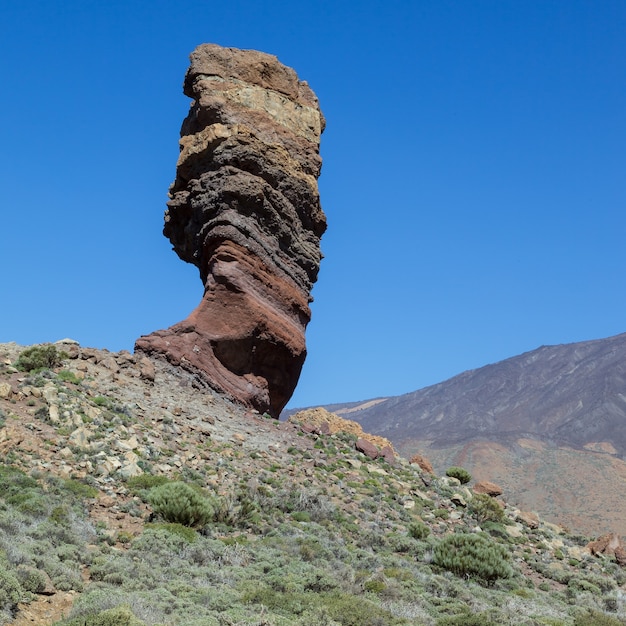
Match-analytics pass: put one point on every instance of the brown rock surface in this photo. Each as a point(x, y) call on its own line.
point(609, 545)
point(367, 448)
point(487, 487)
point(322, 422)
point(423, 463)
point(528, 519)
point(245, 209)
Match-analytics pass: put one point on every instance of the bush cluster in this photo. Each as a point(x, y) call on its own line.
point(178, 503)
point(484, 508)
point(459, 473)
point(39, 358)
point(473, 555)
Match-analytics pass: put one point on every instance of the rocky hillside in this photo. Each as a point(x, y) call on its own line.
point(548, 425)
point(131, 493)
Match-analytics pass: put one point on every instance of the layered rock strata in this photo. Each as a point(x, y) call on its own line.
point(245, 209)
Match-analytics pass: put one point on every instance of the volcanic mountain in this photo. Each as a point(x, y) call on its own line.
point(549, 425)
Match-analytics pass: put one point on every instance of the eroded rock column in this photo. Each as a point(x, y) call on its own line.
point(245, 209)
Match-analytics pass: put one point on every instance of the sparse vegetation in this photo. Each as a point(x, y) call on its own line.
point(38, 358)
point(224, 531)
point(474, 556)
point(178, 503)
point(486, 509)
point(462, 475)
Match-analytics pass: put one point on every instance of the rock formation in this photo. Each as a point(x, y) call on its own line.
point(245, 209)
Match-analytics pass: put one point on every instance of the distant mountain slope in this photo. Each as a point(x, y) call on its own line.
point(571, 394)
point(549, 426)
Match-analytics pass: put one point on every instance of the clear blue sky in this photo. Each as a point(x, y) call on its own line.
point(474, 175)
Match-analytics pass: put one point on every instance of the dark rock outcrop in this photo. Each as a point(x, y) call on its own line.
point(245, 209)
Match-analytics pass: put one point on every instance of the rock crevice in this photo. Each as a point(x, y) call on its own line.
point(245, 209)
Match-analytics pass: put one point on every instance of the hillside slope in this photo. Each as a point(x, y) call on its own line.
point(548, 424)
point(132, 494)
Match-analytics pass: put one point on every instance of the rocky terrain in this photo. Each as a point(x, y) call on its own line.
point(547, 425)
point(311, 521)
point(245, 209)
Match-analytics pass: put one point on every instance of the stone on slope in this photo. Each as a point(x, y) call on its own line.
point(245, 209)
point(488, 488)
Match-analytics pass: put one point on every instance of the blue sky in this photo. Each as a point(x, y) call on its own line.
point(473, 175)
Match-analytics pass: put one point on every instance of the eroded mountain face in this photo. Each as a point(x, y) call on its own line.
point(245, 209)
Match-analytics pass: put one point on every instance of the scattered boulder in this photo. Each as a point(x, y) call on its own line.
point(146, 369)
point(458, 499)
point(367, 448)
point(609, 545)
point(245, 209)
point(388, 453)
point(488, 488)
point(423, 463)
point(531, 520)
point(319, 421)
point(5, 390)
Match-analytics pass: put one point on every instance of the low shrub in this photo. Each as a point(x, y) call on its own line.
point(141, 485)
point(188, 534)
point(68, 377)
point(484, 508)
point(473, 555)
point(465, 619)
point(31, 579)
point(118, 616)
point(418, 530)
point(596, 618)
point(459, 473)
point(39, 358)
point(10, 591)
point(179, 503)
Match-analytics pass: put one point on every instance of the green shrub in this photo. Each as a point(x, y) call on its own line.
point(188, 534)
point(179, 503)
point(68, 377)
point(38, 358)
point(465, 619)
point(10, 590)
point(591, 583)
point(140, 485)
point(31, 579)
point(418, 530)
point(341, 608)
point(119, 616)
point(596, 618)
point(80, 489)
point(473, 555)
point(484, 508)
point(374, 586)
point(461, 474)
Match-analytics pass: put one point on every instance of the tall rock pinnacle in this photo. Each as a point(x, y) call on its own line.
point(245, 209)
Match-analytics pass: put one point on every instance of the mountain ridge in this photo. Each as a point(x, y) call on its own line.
point(555, 396)
point(546, 424)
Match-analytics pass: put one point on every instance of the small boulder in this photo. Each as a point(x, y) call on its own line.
point(146, 369)
point(488, 488)
point(608, 545)
point(388, 454)
point(459, 500)
point(423, 463)
point(5, 390)
point(367, 448)
point(531, 520)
